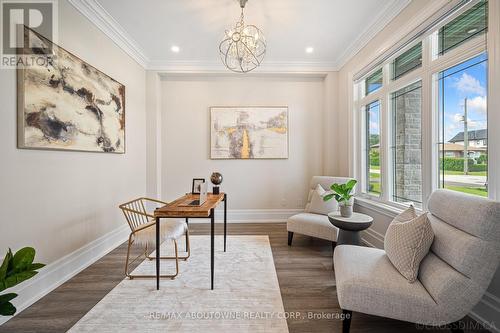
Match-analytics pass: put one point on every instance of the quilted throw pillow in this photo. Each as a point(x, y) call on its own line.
point(407, 241)
point(318, 206)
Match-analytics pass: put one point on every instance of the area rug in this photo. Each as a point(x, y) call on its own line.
point(246, 297)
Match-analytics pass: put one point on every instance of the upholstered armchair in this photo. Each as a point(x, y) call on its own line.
point(452, 277)
point(312, 224)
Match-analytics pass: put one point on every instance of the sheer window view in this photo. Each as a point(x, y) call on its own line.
point(407, 61)
point(463, 146)
point(373, 148)
point(373, 82)
point(471, 23)
point(407, 144)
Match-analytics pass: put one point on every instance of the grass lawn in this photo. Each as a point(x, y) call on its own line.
point(375, 186)
point(374, 175)
point(375, 167)
point(471, 173)
point(481, 191)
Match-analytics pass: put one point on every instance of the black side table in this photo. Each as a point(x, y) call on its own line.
point(349, 227)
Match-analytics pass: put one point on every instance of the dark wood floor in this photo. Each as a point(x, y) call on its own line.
point(304, 272)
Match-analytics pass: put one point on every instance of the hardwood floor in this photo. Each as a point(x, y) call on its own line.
point(304, 272)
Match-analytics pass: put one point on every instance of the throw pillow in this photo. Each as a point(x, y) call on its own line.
point(318, 206)
point(407, 241)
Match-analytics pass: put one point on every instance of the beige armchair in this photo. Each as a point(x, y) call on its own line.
point(143, 232)
point(311, 224)
point(452, 278)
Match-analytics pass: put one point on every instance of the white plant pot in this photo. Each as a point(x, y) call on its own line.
point(346, 210)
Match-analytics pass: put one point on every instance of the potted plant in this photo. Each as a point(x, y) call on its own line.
point(343, 194)
point(15, 269)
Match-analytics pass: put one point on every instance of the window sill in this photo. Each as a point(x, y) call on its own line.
point(380, 207)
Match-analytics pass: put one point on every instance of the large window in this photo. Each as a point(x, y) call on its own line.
point(373, 148)
point(470, 24)
point(407, 61)
point(421, 118)
point(407, 144)
point(373, 82)
point(463, 127)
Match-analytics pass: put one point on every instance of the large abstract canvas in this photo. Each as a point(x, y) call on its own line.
point(69, 105)
point(249, 132)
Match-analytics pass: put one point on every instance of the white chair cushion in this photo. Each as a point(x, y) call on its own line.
point(367, 282)
point(318, 205)
point(170, 229)
point(407, 241)
point(314, 225)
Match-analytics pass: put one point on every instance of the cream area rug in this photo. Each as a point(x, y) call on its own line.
point(246, 295)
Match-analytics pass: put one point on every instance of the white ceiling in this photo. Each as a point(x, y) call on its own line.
point(336, 29)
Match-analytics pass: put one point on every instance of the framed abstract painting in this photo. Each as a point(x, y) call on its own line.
point(68, 104)
point(249, 132)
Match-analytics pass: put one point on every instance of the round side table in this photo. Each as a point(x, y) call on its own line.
point(349, 227)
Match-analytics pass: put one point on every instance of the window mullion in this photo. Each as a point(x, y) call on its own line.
point(384, 150)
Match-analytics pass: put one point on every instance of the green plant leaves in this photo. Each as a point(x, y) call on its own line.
point(16, 278)
point(14, 270)
point(7, 309)
point(23, 259)
point(7, 297)
point(328, 197)
point(342, 192)
point(5, 265)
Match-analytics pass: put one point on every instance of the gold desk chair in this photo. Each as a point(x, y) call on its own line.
point(142, 225)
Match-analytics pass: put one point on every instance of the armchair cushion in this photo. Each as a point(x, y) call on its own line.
point(170, 229)
point(314, 225)
point(368, 282)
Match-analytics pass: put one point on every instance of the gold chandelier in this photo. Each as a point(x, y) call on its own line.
point(243, 47)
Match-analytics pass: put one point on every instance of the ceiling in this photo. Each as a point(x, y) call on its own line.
point(147, 30)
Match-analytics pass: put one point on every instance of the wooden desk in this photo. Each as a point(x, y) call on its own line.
point(176, 209)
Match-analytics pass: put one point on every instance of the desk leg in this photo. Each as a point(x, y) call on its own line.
point(212, 222)
point(187, 222)
point(157, 253)
point(225, 220)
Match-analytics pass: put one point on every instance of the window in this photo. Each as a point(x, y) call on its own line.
point(421, 119)
point(407, 61)
point(373, 148)
point(407, 144)
point(373, 82)
point(463, 127)
point(471, 23)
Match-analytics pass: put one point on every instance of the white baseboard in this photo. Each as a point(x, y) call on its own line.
point(53, 275)
point(485, 312)
point(252, 215)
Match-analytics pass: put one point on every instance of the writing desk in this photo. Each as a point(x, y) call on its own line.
point(178, 209)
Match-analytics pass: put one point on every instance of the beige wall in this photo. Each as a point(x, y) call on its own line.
point(60, 201)
point(252, 184)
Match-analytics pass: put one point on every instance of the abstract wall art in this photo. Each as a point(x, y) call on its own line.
point(249, 132)
point(67, 104)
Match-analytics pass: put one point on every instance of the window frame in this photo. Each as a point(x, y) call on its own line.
point(427, 73)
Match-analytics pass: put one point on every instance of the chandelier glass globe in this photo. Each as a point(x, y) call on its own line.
point(243, 47)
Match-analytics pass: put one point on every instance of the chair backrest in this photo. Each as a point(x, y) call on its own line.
point(465, 253)
point(135, 213)
point(325, 182)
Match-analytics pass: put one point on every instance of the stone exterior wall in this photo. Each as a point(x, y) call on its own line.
point(408, 147)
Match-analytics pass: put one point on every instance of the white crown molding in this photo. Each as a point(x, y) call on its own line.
point(390, 11)
point(178, 66)
point(93, 11)
point(96, 14)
